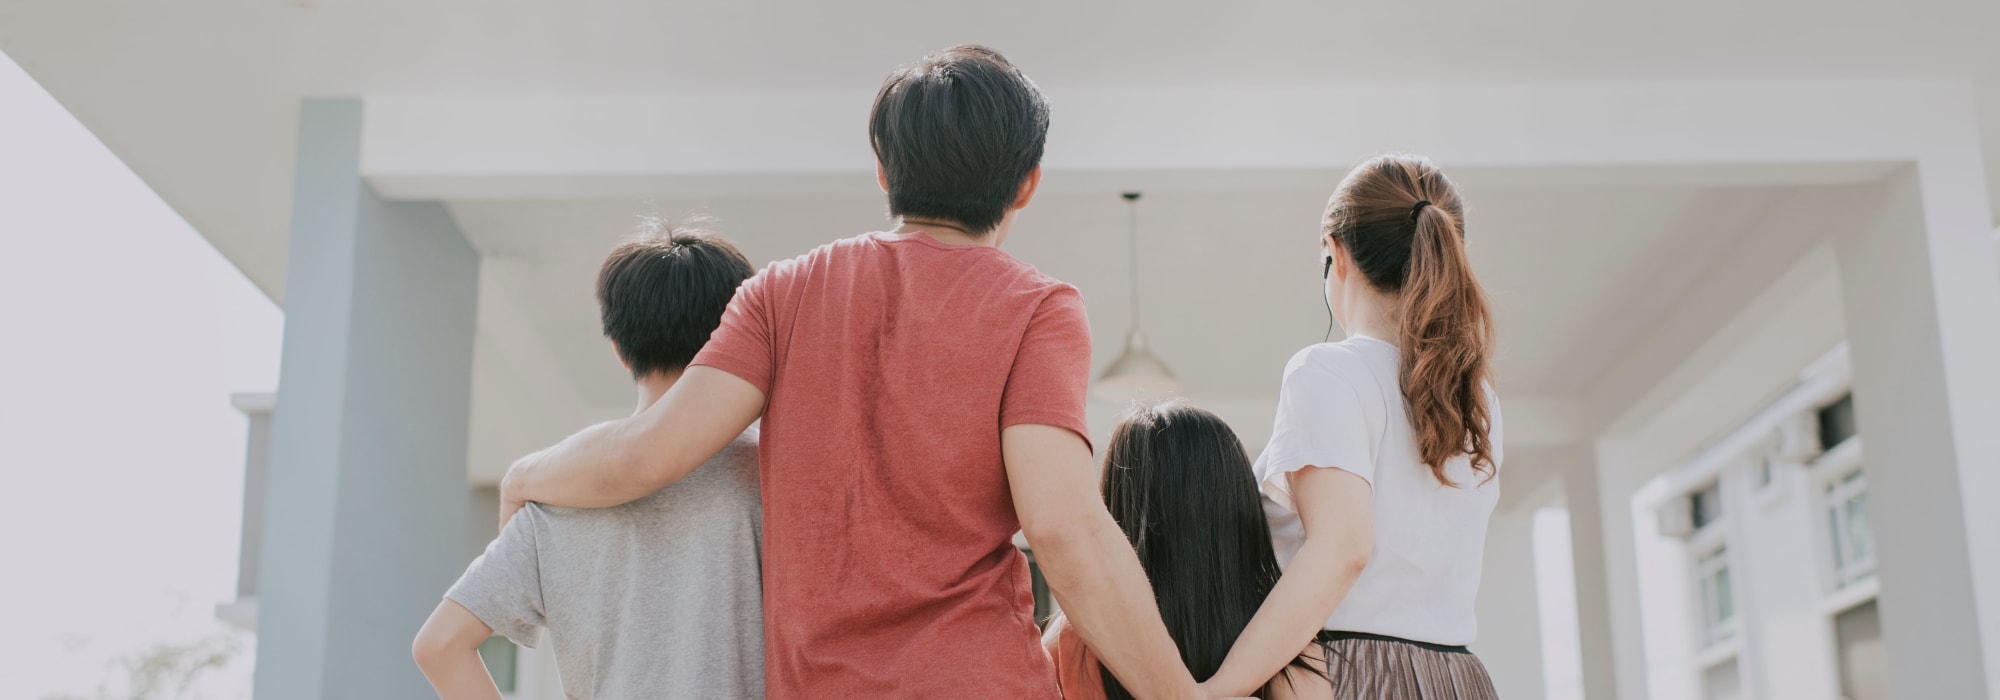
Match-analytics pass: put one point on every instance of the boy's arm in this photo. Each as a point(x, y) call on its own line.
point(623, 460)
point(1091, 568)
point(501, 591)
point(447, 649)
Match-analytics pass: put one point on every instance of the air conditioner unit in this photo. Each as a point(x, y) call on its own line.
point(1798, 438)
point(1676, 517)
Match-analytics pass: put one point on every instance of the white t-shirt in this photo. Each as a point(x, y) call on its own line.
point(1341, 406)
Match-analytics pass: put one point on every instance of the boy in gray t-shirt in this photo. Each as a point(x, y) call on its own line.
point(659, 597)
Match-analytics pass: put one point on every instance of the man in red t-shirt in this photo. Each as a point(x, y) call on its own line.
point(922, 397)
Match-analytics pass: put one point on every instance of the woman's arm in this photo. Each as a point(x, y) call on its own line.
point(624, 460)
point(447, 650)
point(1337, 510)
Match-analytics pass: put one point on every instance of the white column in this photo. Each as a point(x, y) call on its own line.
point(1510, 642)
point(1922, 299)
point(366, 499)
point(1601, 543)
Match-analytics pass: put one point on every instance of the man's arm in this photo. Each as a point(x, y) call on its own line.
point(1091, 568)
point(1337, 511)
point(624, 460)
point(447, 650)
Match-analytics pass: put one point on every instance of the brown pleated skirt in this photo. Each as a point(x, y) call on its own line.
point(1374, 667)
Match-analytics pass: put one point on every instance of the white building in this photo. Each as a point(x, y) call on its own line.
point(1704, 225)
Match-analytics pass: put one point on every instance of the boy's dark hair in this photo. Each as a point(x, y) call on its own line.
point(957, 134)
point(662, 293)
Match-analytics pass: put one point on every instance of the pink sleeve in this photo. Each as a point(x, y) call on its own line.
point(1051, 373)
point(742, 345)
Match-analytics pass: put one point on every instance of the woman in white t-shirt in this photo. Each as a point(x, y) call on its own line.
point(1380, 473)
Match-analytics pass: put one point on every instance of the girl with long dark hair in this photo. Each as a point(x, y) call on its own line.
point(1179, 484)
point(1380, 474)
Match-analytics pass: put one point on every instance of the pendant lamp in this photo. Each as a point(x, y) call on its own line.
point(1137, 374)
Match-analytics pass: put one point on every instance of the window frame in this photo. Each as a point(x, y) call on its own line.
point(1838, 479)
point(1709, 555)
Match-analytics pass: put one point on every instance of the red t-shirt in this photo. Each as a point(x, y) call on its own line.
point(889, 365)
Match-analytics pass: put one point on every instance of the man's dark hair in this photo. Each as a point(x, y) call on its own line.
point(662, 293)
point(957, 134)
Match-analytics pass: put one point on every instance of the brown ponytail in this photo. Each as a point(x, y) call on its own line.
point(1402, 222)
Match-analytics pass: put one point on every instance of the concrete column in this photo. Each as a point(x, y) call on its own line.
point(256, 407)
point(482, 517)
point(1510, 643)
point(1594, 527)
point(367, 492)
point(1922, 300)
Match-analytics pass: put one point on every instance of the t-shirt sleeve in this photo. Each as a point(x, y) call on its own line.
point(1050, 378)
point(503, 587)
point(1322, 422)
point(743, 344)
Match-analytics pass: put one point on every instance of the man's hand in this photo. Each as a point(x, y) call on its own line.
point(511, 501)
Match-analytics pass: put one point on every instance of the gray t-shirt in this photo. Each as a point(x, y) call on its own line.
point(656, 598)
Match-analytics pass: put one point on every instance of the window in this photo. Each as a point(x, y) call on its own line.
point(1836, 422)
point(1718, 601)
point(1847, 524)
point(1705, 506)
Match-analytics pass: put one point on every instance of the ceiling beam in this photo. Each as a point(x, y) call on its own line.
point(1812, 133)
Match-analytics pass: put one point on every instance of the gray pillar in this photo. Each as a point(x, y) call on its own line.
point(367, 491)
point(1923, 320)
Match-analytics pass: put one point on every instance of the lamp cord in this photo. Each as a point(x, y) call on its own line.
point(1132, 220)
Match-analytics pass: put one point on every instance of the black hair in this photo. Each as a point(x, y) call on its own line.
point(662, 293)
point(957, 134)
point(1178, 482)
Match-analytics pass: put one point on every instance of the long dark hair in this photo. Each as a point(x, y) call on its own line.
point(1402, 222)
point(1180, 485)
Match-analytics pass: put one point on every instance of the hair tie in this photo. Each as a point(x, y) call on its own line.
point(1419, 208)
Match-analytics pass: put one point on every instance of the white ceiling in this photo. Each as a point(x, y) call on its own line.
point(396, 46)
point(1228, 284)
point(200, 97)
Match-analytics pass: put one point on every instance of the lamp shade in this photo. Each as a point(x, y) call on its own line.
point(1136, 375)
